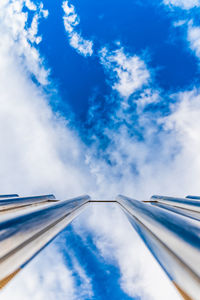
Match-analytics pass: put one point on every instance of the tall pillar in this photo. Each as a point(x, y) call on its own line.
point(173, 239)
point(23, 233)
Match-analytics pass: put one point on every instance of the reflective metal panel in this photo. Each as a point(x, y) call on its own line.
point(174, 240)
point(23, 234)
point(170, 230)
point(9, 196)
point(181, 211)
point(193, 197)
point(179, 202)
point(9, 203)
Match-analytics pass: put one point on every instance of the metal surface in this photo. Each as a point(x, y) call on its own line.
point(6, 280)
point(181, 211)
point(193, 197)
point(186, 203)
point(9, 203)
point(23, 234)
point(9, 196)
point(170, 228)
point(173, 239)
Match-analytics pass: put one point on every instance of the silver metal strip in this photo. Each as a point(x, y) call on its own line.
point(22, 235)
point(9, 196)
point(174, 241)
point(179, 202)
point(193, 197)
point(181, 211)
point(9, 203)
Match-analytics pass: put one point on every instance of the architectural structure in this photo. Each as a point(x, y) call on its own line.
point(170, 228)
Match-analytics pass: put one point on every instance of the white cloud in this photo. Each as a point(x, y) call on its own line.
point(179, 23)
point(13, 23)
point(184, 4)
point(160, 158)
point(32, 31)
point(85, 290)
point(30, 5)
point(193, 37)
point(71, 20)
point(82, 46)
point(193, 32)
point(184, 122)
point(129, 73)
point(41, 143)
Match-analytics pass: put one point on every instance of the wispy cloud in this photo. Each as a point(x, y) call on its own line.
point(193, 37)
point(127, 73)
point(83, 46)
point(184, 4)
point(71, 20)
point(30, 5)
point(21, 37)
point(192, 31)
point(85, 289)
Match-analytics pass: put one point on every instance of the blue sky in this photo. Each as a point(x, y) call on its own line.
point(163, 46)
point(98, 97)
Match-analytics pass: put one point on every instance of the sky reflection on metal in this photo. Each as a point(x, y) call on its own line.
point(172, 238)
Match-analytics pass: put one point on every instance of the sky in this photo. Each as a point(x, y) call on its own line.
point(99, 98)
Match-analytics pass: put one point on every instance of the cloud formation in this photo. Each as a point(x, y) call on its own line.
point(184, 4)
point(20, 38)
point(71, 20)
point(193, 37)
point(128, 73)
point(192, 31)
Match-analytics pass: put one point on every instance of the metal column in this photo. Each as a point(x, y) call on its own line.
point(173, 239)
point(25, 232)
point(170, 227)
